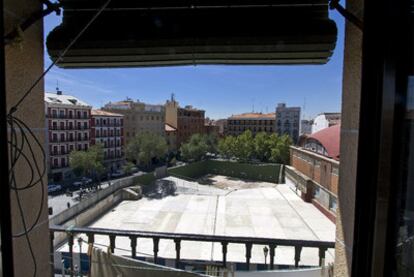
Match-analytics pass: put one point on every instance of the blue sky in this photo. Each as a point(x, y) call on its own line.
point(220, 90)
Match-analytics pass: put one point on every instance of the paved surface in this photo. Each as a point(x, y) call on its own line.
point(59, 202)
point(270, 210)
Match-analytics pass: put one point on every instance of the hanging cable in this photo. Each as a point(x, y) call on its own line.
point(334, 5)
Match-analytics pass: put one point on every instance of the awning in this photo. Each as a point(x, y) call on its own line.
point(161, 33)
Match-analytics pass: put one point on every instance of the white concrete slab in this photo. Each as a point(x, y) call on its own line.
point(268, 210)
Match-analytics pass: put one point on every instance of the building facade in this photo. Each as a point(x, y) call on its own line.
point(68, 128)
point(325, 120)
point(306, 126)
point(171, 137)
point(107, 129)
point(139, 117)
point(287, 121)
point(187, 121)
point(255, 122)
point(314, 170)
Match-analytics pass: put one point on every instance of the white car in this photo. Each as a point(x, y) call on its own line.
point(53, 188)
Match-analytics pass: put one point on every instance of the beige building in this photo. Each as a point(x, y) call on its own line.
point(255, 122)
point(139, 117)
point(188, 120)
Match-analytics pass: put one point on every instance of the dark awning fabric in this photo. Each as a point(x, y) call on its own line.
point(161, 33)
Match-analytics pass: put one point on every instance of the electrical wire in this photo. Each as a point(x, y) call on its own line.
point(21, 140)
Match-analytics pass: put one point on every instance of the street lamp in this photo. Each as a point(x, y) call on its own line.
point(265, 252)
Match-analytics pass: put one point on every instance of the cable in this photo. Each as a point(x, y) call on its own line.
point(61, 55)
point(18, 143)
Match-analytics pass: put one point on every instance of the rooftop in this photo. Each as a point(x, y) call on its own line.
point(169, 128)
point(253, 116)
point(104, 113)
point(330, 139)
point(63, 99)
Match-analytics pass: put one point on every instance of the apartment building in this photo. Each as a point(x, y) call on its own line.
point(255, 122)
point(139, 117)
point(107, 129)
point(287, 121)
point(68, 128)
point(188, 120)
point(314, 169)
point(325, 120)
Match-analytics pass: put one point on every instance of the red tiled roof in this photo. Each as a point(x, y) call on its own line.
point(329, 138)
point(253, 115)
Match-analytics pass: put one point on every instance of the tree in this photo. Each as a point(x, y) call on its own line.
point(212, 142)
point(145, 147)
point(127, 168)
point(262, 149)
point(196, 148)
point(226, 146)
point(280, 148)
point(244, 147)
point(87, 163)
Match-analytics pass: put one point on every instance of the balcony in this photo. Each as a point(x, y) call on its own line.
point(58, 116)
point(177, 238)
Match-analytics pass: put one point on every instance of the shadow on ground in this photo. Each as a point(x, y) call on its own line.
point(160, 189)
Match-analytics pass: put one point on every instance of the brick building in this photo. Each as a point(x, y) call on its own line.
point(255, 122)
point(314, 170)
point(139, 117)
point(107, 129)
point(187, 121)
point(68, 128)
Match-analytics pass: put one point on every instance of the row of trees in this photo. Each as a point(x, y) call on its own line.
point(147, 149)
point(245, 147)
point(262, 147)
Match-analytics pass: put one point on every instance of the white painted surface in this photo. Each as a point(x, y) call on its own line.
point(274, 211)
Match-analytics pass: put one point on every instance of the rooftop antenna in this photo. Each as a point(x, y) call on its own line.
point(304, 107)
point(172, 97)
point(58, 91)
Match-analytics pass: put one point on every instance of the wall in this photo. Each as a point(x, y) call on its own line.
point(316, 177)
point(259, 172)
point(320, 169)
point(24, 64)
point(351, 91)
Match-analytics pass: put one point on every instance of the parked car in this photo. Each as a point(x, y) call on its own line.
point(77, 184)
point(117, 174)
point(86, 180)
point(51, 188)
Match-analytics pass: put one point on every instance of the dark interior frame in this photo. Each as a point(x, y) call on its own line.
point(5, 213)
point(381, 116)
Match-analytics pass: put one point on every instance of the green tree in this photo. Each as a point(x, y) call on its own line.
point(195, 149)
point(145, 147)
point(262, 149)
point(212, 142)
point(280, 146)
point(87, 163)
point(127, 168)
point(226, 146)
point(244, 147)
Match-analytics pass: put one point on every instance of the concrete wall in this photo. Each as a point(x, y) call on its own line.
point(351, 91)
point(24, 64)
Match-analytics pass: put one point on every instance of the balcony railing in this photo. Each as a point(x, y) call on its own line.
point(68, 128)
point(59, 116)
point(298, 245)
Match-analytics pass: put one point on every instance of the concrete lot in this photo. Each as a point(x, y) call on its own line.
point(268, 210)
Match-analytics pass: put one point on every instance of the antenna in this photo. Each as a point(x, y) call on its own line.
point(57, 85)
